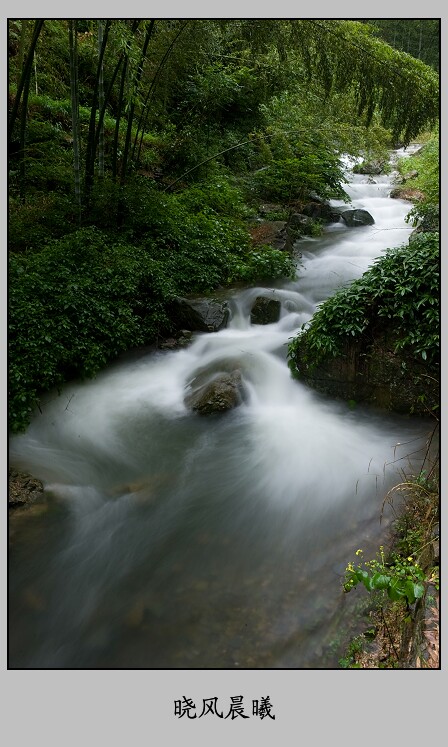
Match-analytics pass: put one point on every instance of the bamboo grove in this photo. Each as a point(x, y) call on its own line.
point(135, 68)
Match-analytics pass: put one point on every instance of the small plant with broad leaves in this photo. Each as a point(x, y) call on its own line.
point(401, 578)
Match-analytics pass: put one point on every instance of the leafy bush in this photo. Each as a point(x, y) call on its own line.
point(74, 306)
point(426, 163)
point(401, 578)
point(266, 263)
point(216, 195)
point(310, 169)
point(81, 300)
point(401, 287)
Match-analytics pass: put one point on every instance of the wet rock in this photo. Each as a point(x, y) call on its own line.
point(272, 232)
point(406, 193)
point(223, 392)
point(321, 211)
point(372, 167)
point(23, 489)
point(169, 344)
point(201, 314)
point(299, 221)
point(265, 310)
point(410, 175)
point(353, 218)
point(183, 340)
point(298, 225)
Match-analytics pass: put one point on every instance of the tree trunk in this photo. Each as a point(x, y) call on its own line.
point(100, 106)
point(22, 137)
point(90, 150)
point(74, 95)
point(25, 76)
point(420, 41)
point(144, 115)
point(102, 110)
point(23, 32)
point(138, 75)
point(120, 107)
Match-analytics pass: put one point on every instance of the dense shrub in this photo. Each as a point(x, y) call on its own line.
point(401, 288)
point(265, 263)
point(214, 195)
point(426, 163)
point(74, 306)
point(309, 169)
point(33, 223)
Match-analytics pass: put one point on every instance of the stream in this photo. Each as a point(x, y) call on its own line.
point(170, 540)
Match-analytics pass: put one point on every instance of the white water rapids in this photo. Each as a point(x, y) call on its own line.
point(172, 540)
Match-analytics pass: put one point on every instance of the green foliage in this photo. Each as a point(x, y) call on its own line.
point(415, 527)
point(426, 163)
point(334, 117)
point(74, 306)
point(312, 168)
point(407, 573)
point(34, 222)
point(79, 301)
point(216, 196)
point(404, 91)
point(203, 251)
point(400, 289)
point(401, 578)
point(265, 263)
point(356, 646)
point(198, 235)
point(419, 37)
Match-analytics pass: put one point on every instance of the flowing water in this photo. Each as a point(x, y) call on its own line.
point(171, 540)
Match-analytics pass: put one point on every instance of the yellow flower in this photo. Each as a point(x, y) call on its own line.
point(410, 559)
point(358, 552)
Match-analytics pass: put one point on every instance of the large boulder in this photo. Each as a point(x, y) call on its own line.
point(321, 211)
point(24, 490)
point(300, 222)
point(298, 225)
point(201, 314)
point(222, 392)
point(370, 167)
point(358, 217)
point(265, 310)
point(272, 232)
point(402, 179)
point(406, 193)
